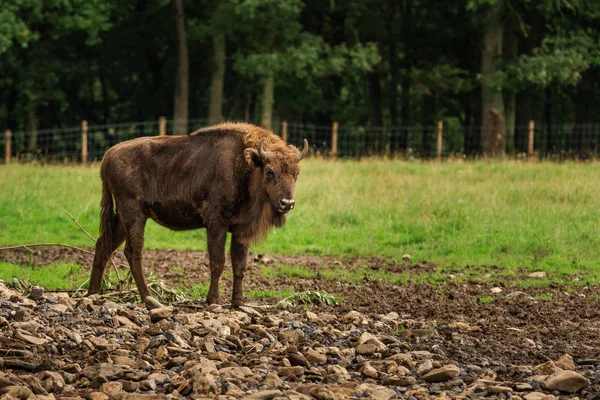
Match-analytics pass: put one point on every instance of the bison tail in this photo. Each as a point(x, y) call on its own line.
point(108, 219)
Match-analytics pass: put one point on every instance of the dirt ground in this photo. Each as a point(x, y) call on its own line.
point(511, 329)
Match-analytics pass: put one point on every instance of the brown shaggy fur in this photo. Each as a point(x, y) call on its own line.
point(214, 178)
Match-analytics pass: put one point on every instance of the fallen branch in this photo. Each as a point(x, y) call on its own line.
point(122, 292)
point(94, 240)
point(25, 246)
point(80, 227)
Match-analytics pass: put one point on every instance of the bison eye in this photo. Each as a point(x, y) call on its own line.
point(270, 174)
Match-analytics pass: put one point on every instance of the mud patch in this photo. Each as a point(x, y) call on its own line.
point(516, 326)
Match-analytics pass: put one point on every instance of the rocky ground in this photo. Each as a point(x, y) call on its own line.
point(384, 341)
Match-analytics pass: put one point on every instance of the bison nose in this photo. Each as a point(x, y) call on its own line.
point(287, 204)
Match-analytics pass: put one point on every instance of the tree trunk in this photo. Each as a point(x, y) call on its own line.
point(267, 103)
point(550, 145)
point(511, 48)
point(181, 77)
point(586, 99)
point(33, 123)
point(509, 110)
point(375, 117)
point(215, 110)
point(407, 31)
point(393, 59)
point(492, 102)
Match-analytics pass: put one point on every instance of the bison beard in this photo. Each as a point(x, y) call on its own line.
point(236, 178)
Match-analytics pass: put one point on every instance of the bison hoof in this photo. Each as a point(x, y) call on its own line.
point(151, 303)
point(212, 300)
point(235, 304)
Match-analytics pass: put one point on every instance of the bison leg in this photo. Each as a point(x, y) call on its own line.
point(216, 255)
point(239, 257)
point(101, 258)
point(133, 253)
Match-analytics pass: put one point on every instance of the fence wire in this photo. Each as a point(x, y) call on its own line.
point(557, 142)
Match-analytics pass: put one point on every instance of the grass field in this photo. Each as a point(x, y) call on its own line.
point(513, 214)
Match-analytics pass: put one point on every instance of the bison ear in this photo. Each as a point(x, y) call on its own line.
point(253, 158)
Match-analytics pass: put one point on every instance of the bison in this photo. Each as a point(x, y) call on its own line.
point(232, 177)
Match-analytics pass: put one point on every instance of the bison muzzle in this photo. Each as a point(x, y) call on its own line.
point(232, 177)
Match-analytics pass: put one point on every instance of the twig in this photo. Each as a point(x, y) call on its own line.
point(60, 290)
point(25, 246)
point(94, 240)
point(102, 296)
point(80, 227)
point(80, 286)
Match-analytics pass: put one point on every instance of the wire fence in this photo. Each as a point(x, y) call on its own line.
point(556, 142)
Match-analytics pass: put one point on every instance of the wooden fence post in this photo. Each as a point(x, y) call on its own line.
point(334, 139)
point(284, 131)
point(162, 126)
point(530, 139)
point(440, 131)
point(7, 146)
point(84, 141)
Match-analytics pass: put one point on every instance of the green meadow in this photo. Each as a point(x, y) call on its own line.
point(516, 215)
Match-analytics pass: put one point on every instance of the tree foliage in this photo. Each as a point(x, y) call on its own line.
point(362, 62)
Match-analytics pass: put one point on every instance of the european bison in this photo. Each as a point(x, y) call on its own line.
point(231, 177)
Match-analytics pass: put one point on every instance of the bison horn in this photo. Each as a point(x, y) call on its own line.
point(263, 154)
point(304, 152)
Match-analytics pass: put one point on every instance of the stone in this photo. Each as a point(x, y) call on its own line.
point(111, 388)
point(105, 370)
point(148, 385)
point(205, 385)
point(425, 367)
point(537, 396)
point(517, 295)
point(442, 374)
point(565, 362)
point(547, 368)
point(98, 396)
point(37, 293)
point(400, 380)
point(314, 357)
point(158, 377)
point(368, 370)
point(498, 389)
point(496, 290)
point(537, 274)
point(129, 386)
point(566, 381)
point(298, 359)
point(290, 371)
point(158, 314)
point(264, 395)
point(235, 372)
point(522, 387)
point(353, 317)
point(374, 392)
point(30, 339)
point(366, 349)
point(403, 359)
point(290, 337)
point(406, 257)
point(51, 381)
point(272, 380)
point(60, 308)
point(124, 361)
point(338, 373)
point(202, 365)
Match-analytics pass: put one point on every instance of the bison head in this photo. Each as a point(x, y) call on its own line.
point(278, 171)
